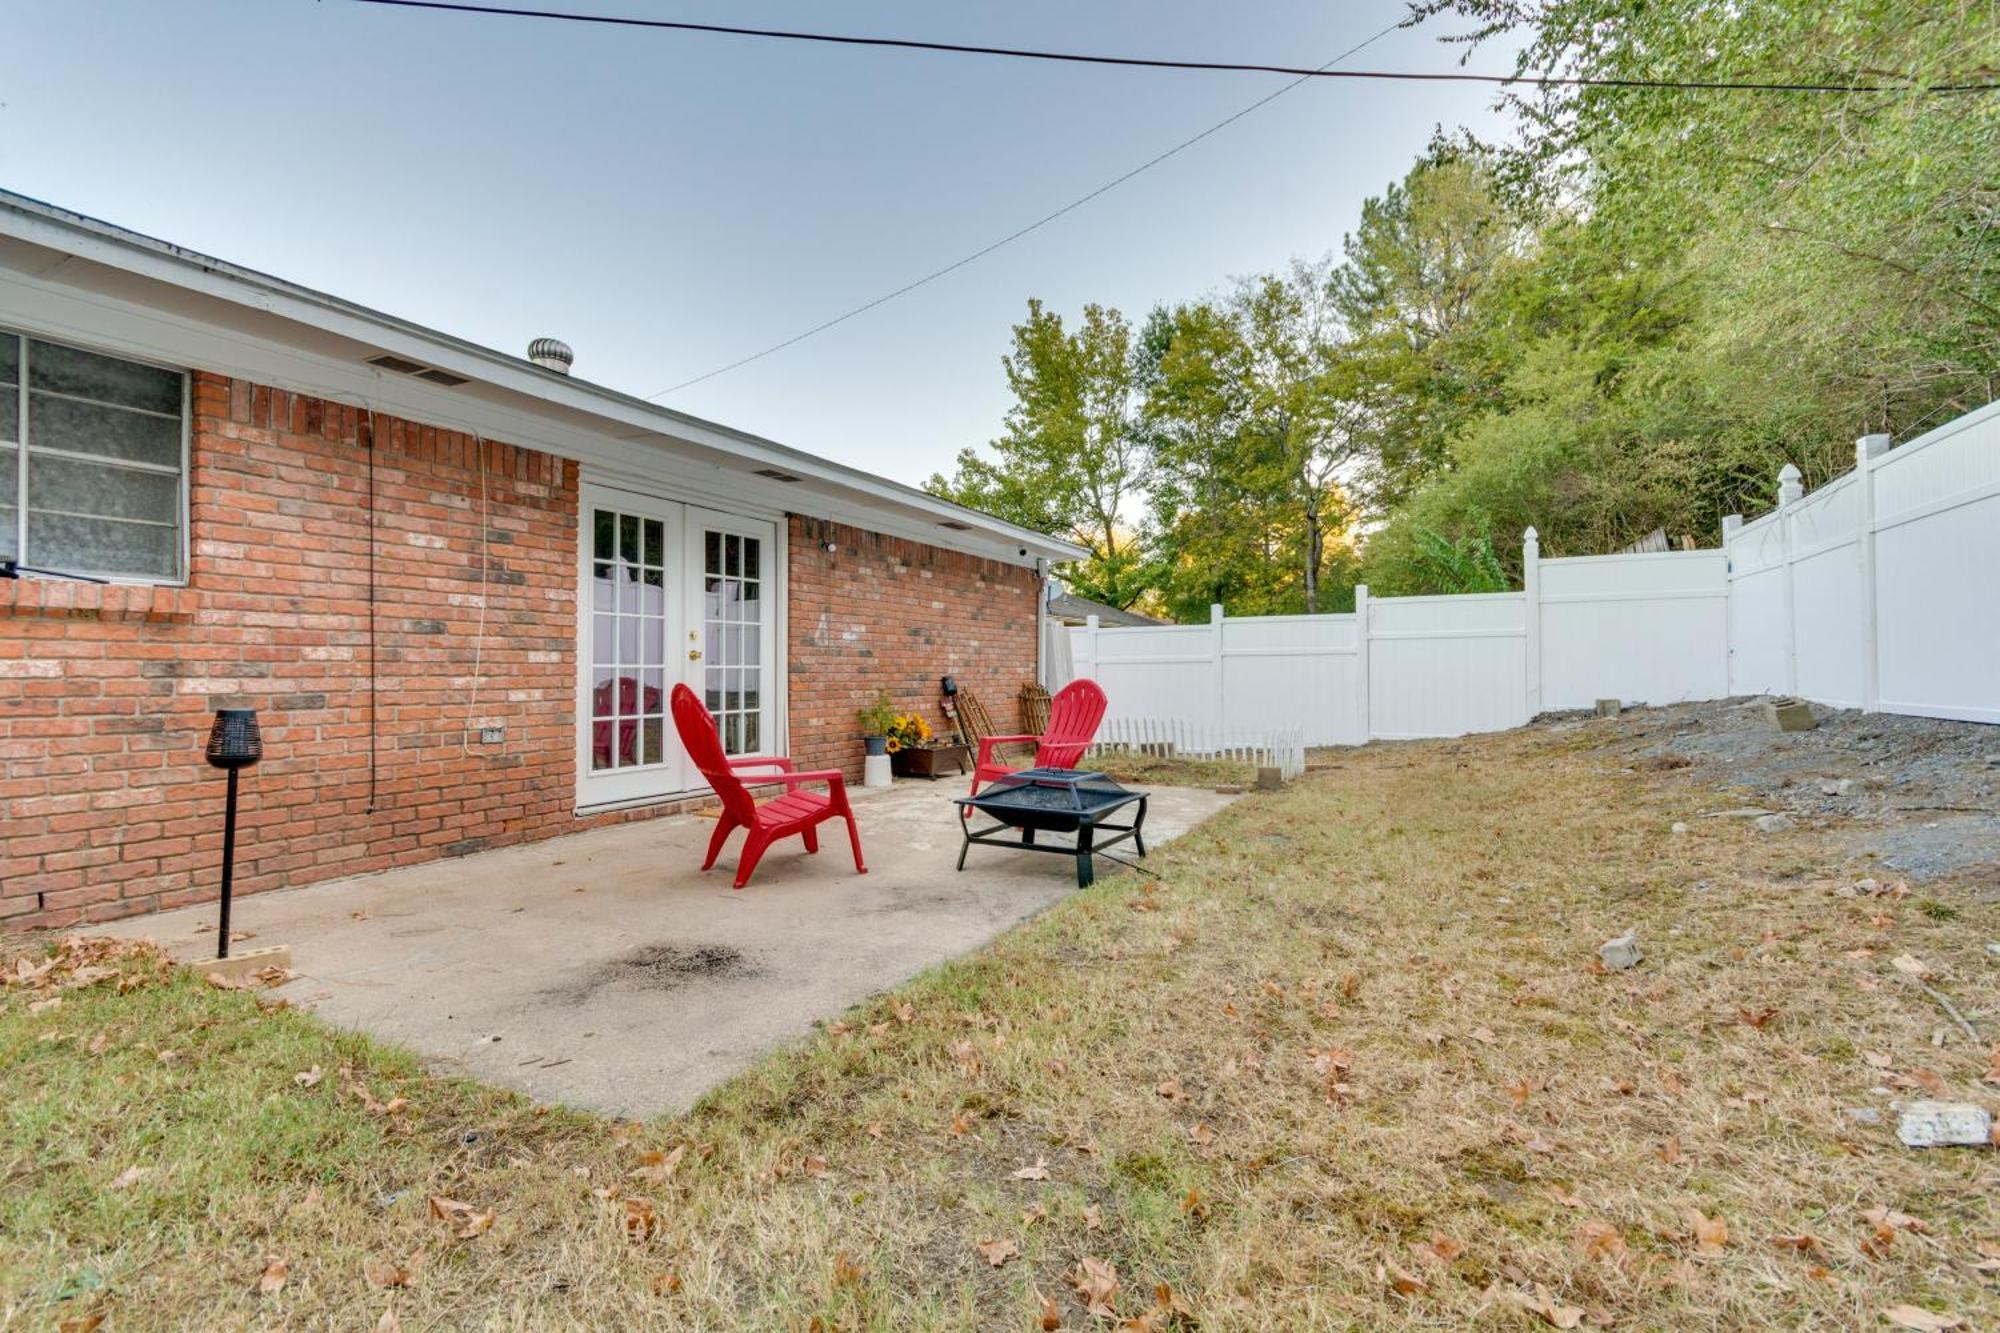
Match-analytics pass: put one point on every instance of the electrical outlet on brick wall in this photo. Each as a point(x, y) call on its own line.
point(492, 735)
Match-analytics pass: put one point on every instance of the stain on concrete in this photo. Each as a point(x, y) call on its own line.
point(665, 966)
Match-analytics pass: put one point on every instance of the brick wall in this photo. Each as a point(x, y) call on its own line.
point(883, 613)
point(106, 694)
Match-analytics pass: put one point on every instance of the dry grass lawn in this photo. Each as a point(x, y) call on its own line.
point(1347, 1064)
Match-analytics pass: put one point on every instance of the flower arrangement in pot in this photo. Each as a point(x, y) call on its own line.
point(916, 752)
point(875, 720)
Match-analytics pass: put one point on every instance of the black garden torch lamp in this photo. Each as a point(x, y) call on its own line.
point(234, 743)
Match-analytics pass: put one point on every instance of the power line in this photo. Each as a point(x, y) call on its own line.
point(1018, 233)
point(1219, 66)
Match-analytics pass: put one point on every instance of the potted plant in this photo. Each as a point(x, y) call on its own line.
point(876, 719)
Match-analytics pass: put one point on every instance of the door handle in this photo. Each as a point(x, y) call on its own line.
point(694, 654)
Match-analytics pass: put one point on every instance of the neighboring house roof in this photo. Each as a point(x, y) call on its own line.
point(71, 277)
point(1074, 610)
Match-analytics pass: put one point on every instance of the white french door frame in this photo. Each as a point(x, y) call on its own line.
point(684, 521)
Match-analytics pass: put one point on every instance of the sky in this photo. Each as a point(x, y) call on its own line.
point(667, 203)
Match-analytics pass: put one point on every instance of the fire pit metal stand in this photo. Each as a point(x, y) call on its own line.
point(1053, 800)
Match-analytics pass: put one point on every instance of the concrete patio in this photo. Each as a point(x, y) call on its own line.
point(602, 970)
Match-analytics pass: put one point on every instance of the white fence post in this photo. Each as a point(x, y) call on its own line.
point(1866, 450)
point(1790, 492)
point(1215, 662)
point(1531, 583)
point(1090, 633)
point(1731, 525)
point(1361, 661)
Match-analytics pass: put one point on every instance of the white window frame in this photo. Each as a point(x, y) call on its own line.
point(25, 446)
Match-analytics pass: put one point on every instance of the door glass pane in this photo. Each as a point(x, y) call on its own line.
point(712, 554)
point(10, 359)
point(628, 641)
point(752, 563)
point(10, 411)
point(750, 737)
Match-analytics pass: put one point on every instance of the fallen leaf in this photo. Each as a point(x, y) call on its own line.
point(1404, 1284)
point(1599, 1239)
point(1564, 1198)
point(1039, 1171)
point(667, 1283)
point(1195, 1206)
point(961, 1123)
point(1093, 1217)
point(846, 1272)
point(1910, 966)
point(1171, 1090)
point(307, 1078)
point(1051, 1313)
point(272, 1280)
point(1200, 1134)
point(1911, 1316)
point(1670, 1151)
point(641, 1222)
point(1711, 1234)
point(998, 1252)
point(1888, 1217)
point(85, 1323)
point(131, 1175)
point(1803, 1242)
point(385, 1273)
point(658, 1167)
point(815, 1166)
point(1442, 1248)
point(1483, 1035)
point(1096, 1281)
point(470, 1221)
point(1561, 1316)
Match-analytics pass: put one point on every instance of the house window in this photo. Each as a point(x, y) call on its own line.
point(93, 461)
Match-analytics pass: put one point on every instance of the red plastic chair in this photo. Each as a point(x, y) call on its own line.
point(1073, 717)
point(797, 811)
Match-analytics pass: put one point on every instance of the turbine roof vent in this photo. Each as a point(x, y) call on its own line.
point(551, 354)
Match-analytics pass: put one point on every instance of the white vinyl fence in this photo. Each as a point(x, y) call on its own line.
point(1881, 590)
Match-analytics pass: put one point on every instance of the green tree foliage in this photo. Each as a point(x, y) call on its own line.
point(1070, 459)
point(1252, 416)
point(1628, 317)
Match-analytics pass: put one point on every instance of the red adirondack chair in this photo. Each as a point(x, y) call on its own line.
point(1073, 717)
point(797, 811)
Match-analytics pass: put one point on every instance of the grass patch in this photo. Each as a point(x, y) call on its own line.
point(1349, 1065)
point(1149, 770)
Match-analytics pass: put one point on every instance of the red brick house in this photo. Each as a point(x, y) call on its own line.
point(456, 584)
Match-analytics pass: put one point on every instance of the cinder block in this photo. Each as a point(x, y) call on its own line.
point(1791, 714)
point(1270, 779)
point(242, 968)
point(1608, 707)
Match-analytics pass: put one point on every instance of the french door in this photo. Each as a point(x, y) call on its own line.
point(668, 594)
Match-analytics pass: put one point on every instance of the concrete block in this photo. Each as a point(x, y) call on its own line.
point(1270, 779)
point(1609, 707)
point(1791, 715)
point(242, 967)
point(1945, 1125)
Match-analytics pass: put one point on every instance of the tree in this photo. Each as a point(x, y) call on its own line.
point(1070, 458)
point(1253, 415)
point(1412, 292)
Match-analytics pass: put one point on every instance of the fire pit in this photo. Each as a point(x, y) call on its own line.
point(1053, 800)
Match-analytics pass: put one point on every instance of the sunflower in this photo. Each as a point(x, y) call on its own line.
point(893, 745)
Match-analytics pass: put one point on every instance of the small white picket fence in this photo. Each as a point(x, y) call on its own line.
point(1282, 748)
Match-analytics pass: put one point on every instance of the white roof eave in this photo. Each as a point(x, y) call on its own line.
point(624, 416)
